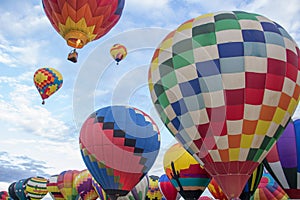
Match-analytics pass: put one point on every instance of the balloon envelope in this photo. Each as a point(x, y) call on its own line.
point(36, 188)
point(119, 145)
point(19, 188)
point(11, 191)
point(153, 189)
point(225, 84)
point(185, 173)
point(47, 81)
point(82, 21)
point(66, 185)
point(118, 52)
point(167, 188)
point(53, 188)
point(139, 191)
point(84, 186)
point(101, 193)
point(4, 195)
point(283, 160)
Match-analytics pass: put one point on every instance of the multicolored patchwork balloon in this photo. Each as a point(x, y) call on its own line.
point(118, 52)
point(119, 145)
point(66, 185)
point(153, 189)
point(185, 173)
point(82, 21)
point(84, 186)
point(226, 84)
point(47, 81)
point(269, 189)
point(101, 193)
point(53, 188)
point(36, 188)
point(283, 160)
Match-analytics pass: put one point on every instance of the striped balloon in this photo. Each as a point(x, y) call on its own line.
point(65, 183)
point(53, 188)
point(36, 188)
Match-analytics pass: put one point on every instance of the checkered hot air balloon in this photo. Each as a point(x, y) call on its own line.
point(226, 84)
point(153, 190)
point(119, 145)
point(47, 81)
point(82, 21)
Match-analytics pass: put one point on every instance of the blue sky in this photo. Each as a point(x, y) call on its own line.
point(42, 140)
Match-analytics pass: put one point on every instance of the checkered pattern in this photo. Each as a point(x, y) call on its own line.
point(93, 18)
point(225, 84)
point(84, 186)
point(119, 145)
point(153, 189)
point(47, 81)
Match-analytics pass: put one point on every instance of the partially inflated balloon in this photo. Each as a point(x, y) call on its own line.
point(118, 52)
point(138, 192)
point(153, 189)
point(66, 185)
point(119, 145)
point(226, 84)
point(53, 188)
point(185, 173)
point(167, 188)
point(268, 189)
point(84, 186)
point(11, 191)
point(36, 188)
point(283, 161)
point(82, 21)
point(47, 81)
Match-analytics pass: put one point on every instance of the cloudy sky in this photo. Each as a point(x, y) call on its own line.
point(42, 140)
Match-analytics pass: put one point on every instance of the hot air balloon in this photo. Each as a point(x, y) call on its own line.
point(53, 188)
point(36, 188)
point(139, 191)
point(19, 188)
point(226, 84)
point(66, 185)
point(185, 173)
point(84, 186)
point(47, 81)
point(283, 161)
point(4, 195)
point(153, 189)
point(215, 190)
point(82, 21)
point(11, 191)
point(167, 188)
point(268, 189)
point(118, 52)
point(101, 193)
point(119, 145)
point(205, 198)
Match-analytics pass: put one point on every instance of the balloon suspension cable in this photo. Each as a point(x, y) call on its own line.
point(175, 175)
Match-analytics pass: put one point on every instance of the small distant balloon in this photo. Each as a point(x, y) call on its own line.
point(118, 52)
point(47, 81)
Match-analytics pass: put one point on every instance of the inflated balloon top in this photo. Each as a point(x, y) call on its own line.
point(82, 21)
point(119, 145)
point(47, 81)
point(226, 84)
point(36, 188)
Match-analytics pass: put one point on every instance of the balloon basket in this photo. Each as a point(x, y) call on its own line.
point(73, 55)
